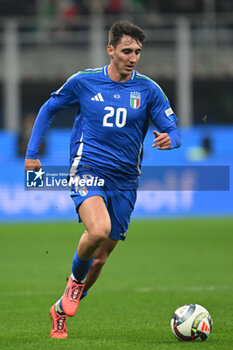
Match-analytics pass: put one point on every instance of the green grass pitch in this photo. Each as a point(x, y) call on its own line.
point(161, 266)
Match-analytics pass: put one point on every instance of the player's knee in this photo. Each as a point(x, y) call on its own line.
point(99, 233)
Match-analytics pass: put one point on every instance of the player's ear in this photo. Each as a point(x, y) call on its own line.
point(110, 50)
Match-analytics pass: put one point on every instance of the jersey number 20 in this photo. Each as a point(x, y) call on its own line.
point(120, 117)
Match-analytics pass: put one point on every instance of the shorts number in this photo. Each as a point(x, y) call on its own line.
point(121, 114)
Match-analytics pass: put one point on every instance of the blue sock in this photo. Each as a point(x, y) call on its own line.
point(60, 305)
point(83, 294)
point(80, 268)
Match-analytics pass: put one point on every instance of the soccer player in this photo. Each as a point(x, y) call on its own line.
point(114, 106)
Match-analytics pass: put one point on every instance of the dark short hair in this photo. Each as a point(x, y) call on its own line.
point(121, 28)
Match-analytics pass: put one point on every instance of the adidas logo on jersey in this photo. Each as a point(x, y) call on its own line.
point(98, 97)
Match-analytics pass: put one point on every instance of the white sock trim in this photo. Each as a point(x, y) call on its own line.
point(57, 306)
point(75, 280)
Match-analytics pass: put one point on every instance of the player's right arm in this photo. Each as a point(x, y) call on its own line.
point(65, 97)
point(42, 123)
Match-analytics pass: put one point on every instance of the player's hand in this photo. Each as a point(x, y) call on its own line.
point(161, 141)
point(32, 164)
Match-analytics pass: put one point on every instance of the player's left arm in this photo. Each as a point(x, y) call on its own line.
point(167, 140)
point(162, 140)
point(168, 135)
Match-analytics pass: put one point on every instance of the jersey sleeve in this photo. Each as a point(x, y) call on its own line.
point(66, 97)
point(68, 94)
point(163, 116)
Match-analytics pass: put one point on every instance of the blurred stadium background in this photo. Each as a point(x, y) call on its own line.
point(166, 263)
point(188, 51)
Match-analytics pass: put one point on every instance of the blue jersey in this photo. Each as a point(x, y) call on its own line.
point(111, 122)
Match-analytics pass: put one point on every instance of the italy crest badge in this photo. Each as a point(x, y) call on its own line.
point(135, 99)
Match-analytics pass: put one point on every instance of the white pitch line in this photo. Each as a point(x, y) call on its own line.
point(25, 293)
point(99, 290)
point(181, 289)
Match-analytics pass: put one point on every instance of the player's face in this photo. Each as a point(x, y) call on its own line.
point(124, 57)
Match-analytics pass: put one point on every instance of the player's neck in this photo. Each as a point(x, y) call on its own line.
point(115, 75)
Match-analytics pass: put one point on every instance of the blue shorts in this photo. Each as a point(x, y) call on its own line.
point(120, 204)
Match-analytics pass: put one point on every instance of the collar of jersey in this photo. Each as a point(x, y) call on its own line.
point(105, 72)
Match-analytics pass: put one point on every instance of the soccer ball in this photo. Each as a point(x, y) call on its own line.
point(191, 322)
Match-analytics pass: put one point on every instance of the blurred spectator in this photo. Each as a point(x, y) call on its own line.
point(60, 15)
point(62, 9)
point(113, 7)
point(25, 133)
point(130, 6)
point(67, 10)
